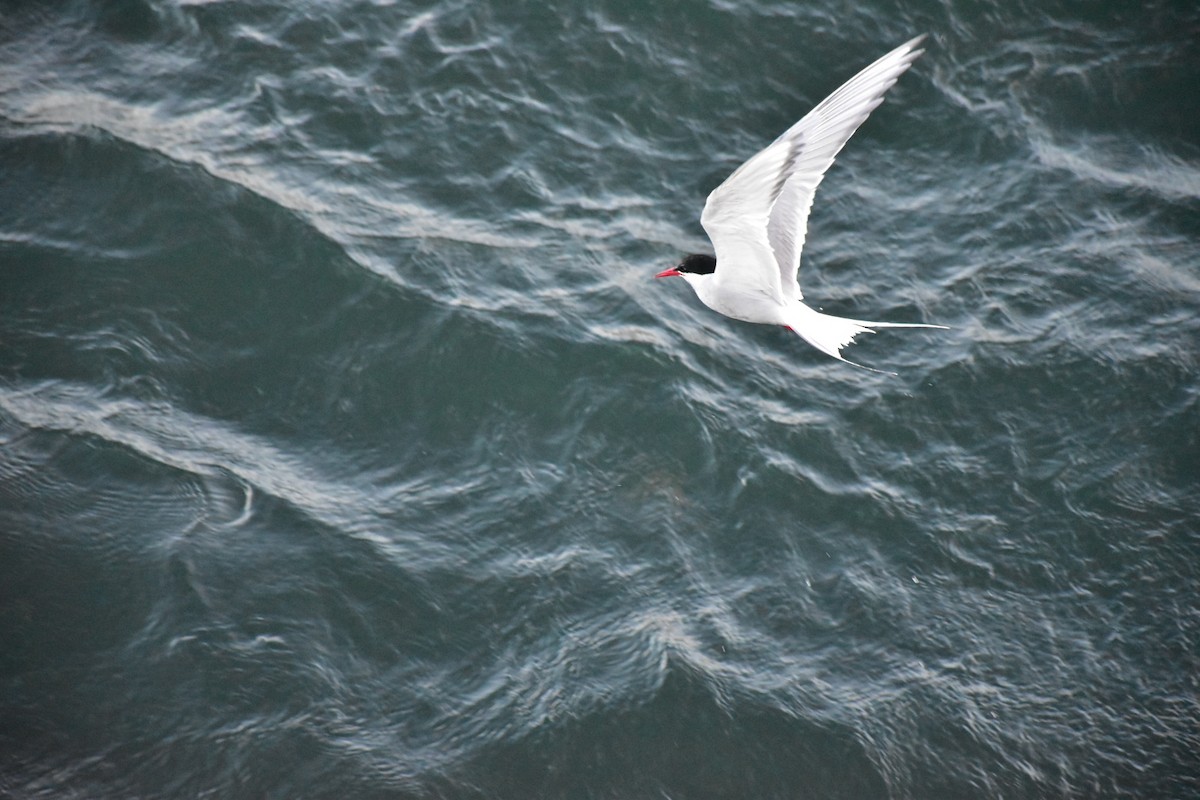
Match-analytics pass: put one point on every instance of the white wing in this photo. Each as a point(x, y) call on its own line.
point(765, 202)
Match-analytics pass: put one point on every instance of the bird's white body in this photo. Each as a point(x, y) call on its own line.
point(758, 218)
point(733, 301)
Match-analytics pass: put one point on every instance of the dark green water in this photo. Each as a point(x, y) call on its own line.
point(348, 448)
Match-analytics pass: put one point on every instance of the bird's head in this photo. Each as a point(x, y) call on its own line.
point(695, 264)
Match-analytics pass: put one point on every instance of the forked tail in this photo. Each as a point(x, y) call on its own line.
point(830, 334)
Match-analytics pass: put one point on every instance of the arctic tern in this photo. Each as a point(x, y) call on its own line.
point(757, 219)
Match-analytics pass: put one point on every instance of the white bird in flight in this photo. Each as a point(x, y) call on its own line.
point(758, 217)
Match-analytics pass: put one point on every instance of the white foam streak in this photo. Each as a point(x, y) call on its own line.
point(193, 444)
point(1103, 161)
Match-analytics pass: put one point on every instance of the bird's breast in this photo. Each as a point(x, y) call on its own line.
point(742, 302)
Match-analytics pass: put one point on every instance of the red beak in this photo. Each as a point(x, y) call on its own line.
point(668, 273)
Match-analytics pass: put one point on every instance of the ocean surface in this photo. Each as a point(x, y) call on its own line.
point(349, 449)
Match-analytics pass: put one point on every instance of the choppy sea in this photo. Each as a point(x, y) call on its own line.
point(348, 448)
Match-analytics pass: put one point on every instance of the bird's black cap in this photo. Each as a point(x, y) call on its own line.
point(698, 264)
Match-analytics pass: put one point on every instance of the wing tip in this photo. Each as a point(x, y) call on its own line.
point(913, 45)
